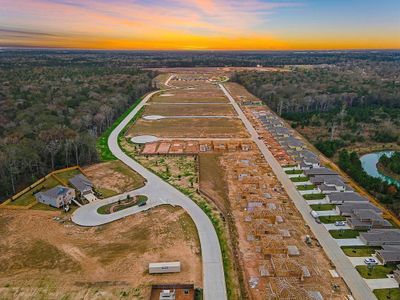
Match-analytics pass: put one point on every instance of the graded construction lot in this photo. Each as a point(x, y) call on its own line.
point(114, 177)
point(195, 98)
point(189, 110)
point(190, 128)
point(42, 258)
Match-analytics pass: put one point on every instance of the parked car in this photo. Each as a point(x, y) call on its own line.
point(340, 223)
point(371, 261)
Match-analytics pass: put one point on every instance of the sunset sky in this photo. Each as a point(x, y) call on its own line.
point(201, 25)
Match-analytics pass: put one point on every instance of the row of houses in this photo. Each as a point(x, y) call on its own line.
point(359, 212)
point(62, 196)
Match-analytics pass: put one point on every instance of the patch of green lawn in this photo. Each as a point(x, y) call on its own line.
point(344, 233)
point(331, 219)
point(387, 294)
point(102, 142)
point(306, 187)
point(291, 172)
point(319, 207)
point(299, 179)
point(359, 251)
point(106, 193)
point(67, 175)
point(29, 197)
point(314, 196)
point(375, 272)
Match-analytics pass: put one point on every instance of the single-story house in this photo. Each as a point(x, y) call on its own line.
point(292, 143)
point(281, 131)
point(309, 163)
point(389, 254)
point(381, 237)
point(367, 219)
point(320, 171)
point(82, 184)
point(345, 197)
point(347, 209)
point(58, 196)
point(329, 180)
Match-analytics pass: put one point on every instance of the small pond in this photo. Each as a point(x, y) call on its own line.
point(369, 162)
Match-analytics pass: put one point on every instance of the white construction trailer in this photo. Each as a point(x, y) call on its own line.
point(165, 267)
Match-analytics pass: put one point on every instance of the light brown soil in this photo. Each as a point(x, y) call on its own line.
point(115, 176)
point(189, 110)
point(190, 128)
point(45, 259)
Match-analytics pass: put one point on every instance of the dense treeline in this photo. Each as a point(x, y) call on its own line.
point(392, 163)
point(157, 59)
point(53, 111)
point(386, 193)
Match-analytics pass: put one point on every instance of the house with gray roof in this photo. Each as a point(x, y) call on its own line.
point(390, 254)
point(292, 143)
point(58, 196)
point(345, 197)
point(82, 184)
point(367, 219)
point(320, 171)
point(347, 209)
point(381, 237)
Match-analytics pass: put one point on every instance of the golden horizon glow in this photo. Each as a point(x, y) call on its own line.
point(193, 25)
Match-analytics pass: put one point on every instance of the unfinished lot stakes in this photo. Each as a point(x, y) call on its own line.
point(278, 257)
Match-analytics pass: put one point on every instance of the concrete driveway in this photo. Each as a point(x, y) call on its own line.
point(159, 192)
point(349, 242)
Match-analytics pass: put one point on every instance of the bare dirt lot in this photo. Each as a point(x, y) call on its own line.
point(190, 128)
point(189, 99)
point(45, 259)
point(189, 110)
point(114, 176)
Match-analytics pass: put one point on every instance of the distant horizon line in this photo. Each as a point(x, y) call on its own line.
point(197, 50)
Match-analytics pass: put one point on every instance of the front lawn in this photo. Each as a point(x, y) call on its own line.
point(29, 197)
point(375, 272)
point(359, 251)
point(331, 219)
point(292, 172)
point(314, 196)
point(319, 207)
point(344, 233)
point(387, 294)
point(299, 179)
point(306, 187)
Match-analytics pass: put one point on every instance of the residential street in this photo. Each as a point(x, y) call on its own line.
point(344, 267)
point(158, 191)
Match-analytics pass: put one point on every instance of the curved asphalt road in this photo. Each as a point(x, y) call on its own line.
point(160, 192)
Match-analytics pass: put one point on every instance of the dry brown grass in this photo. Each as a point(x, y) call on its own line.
point(45, 259)
point(190, 128)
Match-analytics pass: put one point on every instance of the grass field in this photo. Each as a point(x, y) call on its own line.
point(331, 219)
point(319, 207)
point(189, 110)
point(299, 179)
point(212, 179)
point(67, 175)
point(314, 196)
point(387, 294)
point(344, 233)
point(190, 128)
point(376, 272)
point(102, 142)
point(29, 198)
point(359, 251)
point(306, 187)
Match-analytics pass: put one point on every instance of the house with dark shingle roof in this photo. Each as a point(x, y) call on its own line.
point(58, 196)
point(390, 254)
point(347, 209)
point(367, 219)
point(381, 237)
point(82, 184)
point(345, 197)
